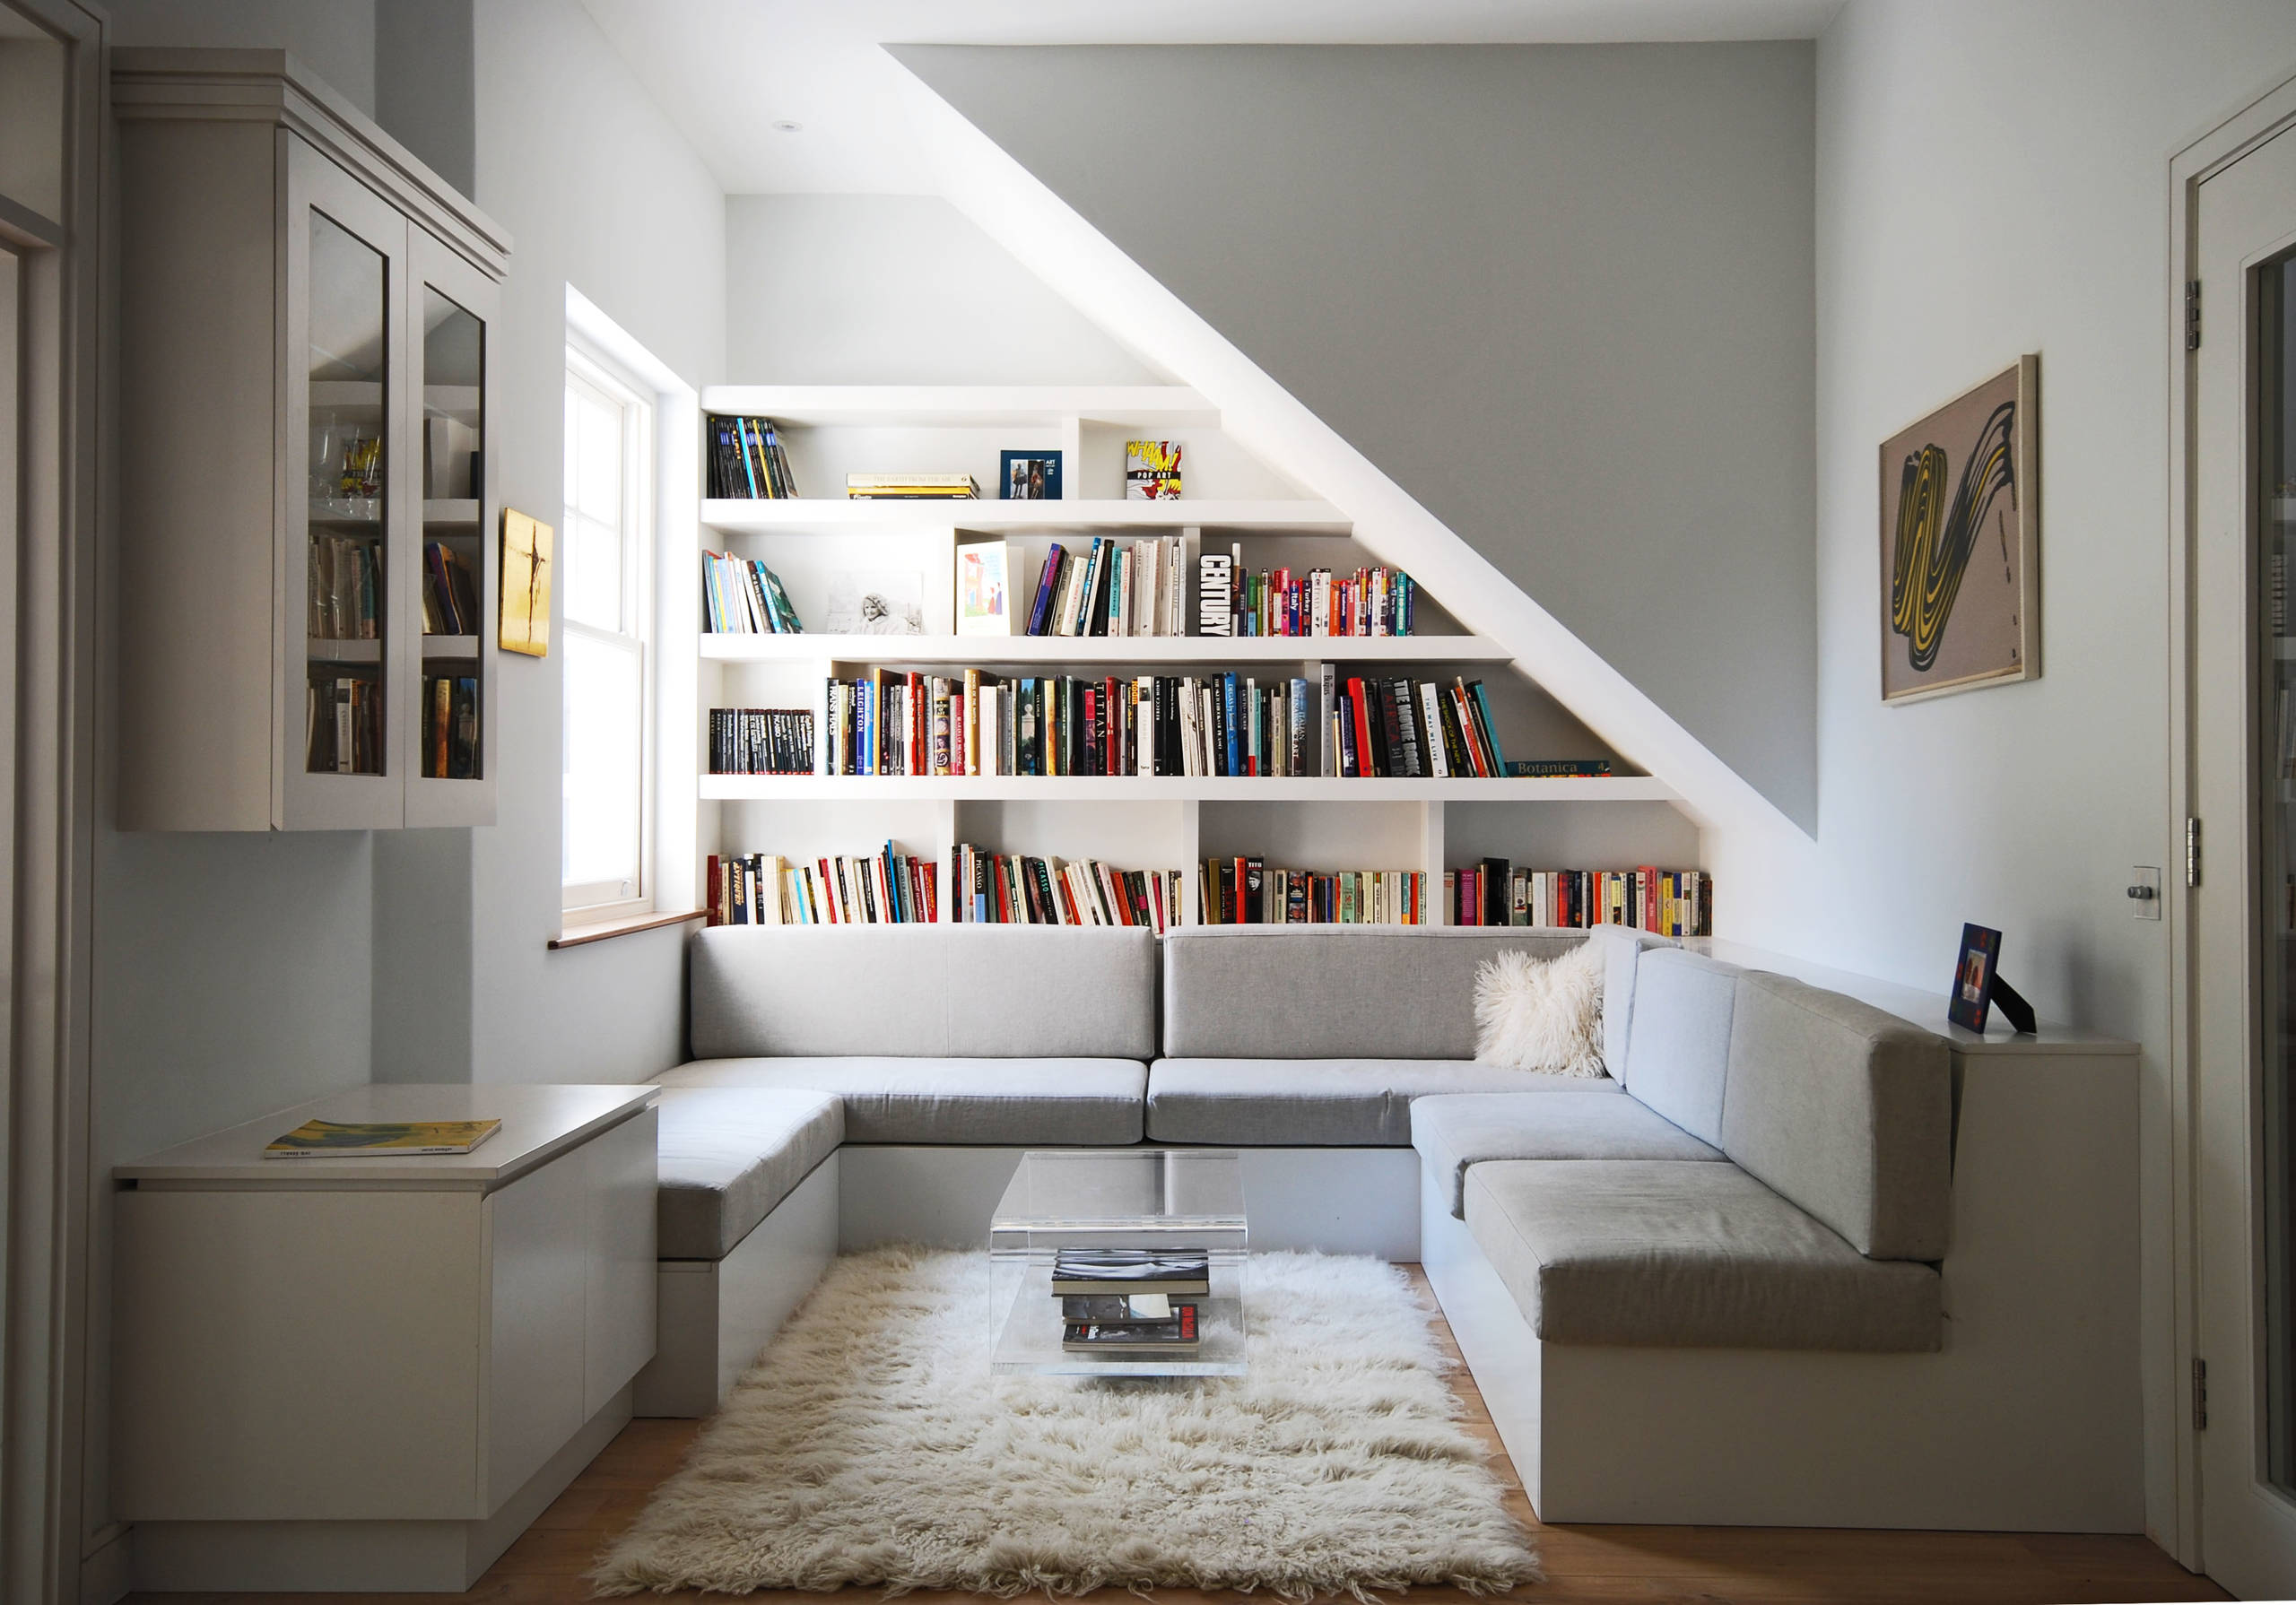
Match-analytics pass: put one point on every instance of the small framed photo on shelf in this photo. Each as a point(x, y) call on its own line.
point(1028, 476)
point(526, 586)
point(985, 588)
point(889, 604)
point(1972, 999)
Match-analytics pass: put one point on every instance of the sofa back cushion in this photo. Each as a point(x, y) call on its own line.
point(1678, 1041)
point(1844, 1109)
point(1622, 947)
point(1332, 992)
point(955, 992)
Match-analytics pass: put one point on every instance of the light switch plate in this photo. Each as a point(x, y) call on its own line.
point(2145, 892)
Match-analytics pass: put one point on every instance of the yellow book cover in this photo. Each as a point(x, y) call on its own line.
point(322, 1138)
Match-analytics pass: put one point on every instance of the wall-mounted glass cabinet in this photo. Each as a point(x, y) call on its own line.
point(307, 558)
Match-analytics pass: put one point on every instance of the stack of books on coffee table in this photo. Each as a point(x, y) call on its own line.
point(1131, 1301)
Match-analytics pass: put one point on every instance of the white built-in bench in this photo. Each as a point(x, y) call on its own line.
point(1801, 1262)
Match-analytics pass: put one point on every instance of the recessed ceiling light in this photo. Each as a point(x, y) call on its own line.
point(785, 126)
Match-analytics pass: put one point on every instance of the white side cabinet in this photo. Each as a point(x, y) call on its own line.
point(374, 1373)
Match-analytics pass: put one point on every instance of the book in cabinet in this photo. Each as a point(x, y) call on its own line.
point(306, 319)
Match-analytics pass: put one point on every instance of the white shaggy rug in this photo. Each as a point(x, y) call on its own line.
point(870, 1446)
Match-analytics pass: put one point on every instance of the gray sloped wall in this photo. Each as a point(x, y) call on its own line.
point(1563, 295)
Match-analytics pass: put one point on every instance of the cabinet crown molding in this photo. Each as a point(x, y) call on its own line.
point(155, 84)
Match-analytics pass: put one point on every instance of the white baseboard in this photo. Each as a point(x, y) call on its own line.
point(1338, 1200)
point(360, 1557)
point(713, 1316)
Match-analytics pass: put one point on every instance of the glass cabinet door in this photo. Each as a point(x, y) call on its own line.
point(346, 261)
point(452, 586)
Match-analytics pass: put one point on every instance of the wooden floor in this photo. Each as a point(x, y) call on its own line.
point(1711, 1565)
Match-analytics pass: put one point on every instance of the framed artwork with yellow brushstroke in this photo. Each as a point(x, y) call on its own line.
point(1961, 542)
point(526, 586)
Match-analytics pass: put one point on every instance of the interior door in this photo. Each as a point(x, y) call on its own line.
point(2243, 913)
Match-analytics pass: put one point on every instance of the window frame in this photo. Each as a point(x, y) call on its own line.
point(591, 903)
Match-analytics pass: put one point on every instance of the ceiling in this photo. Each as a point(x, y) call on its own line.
point(726, 71)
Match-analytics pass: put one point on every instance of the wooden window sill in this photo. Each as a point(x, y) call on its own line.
point(574, 936)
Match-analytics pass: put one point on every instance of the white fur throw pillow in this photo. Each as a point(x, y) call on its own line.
point(1541, 1014)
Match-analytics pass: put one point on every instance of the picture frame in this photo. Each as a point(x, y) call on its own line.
point(1971, 1000)
point(1959, 527)
point(1032, 475)
point(984, 602)
point(524, 623)
point(874, 603)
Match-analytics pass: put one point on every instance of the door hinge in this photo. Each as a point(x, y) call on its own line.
point(2200, 1395)
point(2192, 852)
point(2192, 315)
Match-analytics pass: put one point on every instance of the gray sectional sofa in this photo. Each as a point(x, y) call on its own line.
point(1766, 1179)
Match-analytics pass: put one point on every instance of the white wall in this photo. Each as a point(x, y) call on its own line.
point(1559, 294)
point(1992, 179)
point(598, 190)
point(886, 289)
point(336, 39)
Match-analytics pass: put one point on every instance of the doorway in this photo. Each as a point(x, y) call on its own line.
point(2235, 947)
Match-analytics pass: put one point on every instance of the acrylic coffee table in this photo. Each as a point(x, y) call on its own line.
point(1121, 1198)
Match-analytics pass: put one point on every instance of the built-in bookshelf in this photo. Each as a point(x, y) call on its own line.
point(813, 543)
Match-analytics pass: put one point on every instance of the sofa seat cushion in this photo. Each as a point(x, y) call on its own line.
point(1457, 1129)
point(729, 1155)
point(1319, 1102)
point(1688, 1255)
point(1086, 1103)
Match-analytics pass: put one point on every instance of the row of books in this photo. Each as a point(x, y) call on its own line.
point(760, 740)
point(911, 486)
point(1392, 727)
point(747, 461)
point(345, 587)
point(1131, 1301)
point(1111, 588)
point(890, 887)
point(743, 596)
point(895, 723)
point(1276, 601)
point(1012, 888)
point(450, 592)
point(1244, 891)
point(343, 725)
point(451, 727)
point(1669, 902)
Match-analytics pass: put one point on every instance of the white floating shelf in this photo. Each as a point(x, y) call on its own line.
point(1100, 649)
point(836, 516)
point(919, 788)
point(964, 406)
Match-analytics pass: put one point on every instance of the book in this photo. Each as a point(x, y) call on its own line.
point(1250, 892)
point(911, 486)
point(1131, 1270)
point(1029, 475)
point(1151, 469)
point(1117, 1306)
point(746, 460)
point(397, 1138)
point(1549, 769)
point(984, 588)
point(1180, 1334)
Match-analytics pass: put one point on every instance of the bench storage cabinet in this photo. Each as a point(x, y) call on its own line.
point(373, 1374)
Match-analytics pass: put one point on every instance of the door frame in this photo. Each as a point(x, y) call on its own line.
point(2267, 115)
